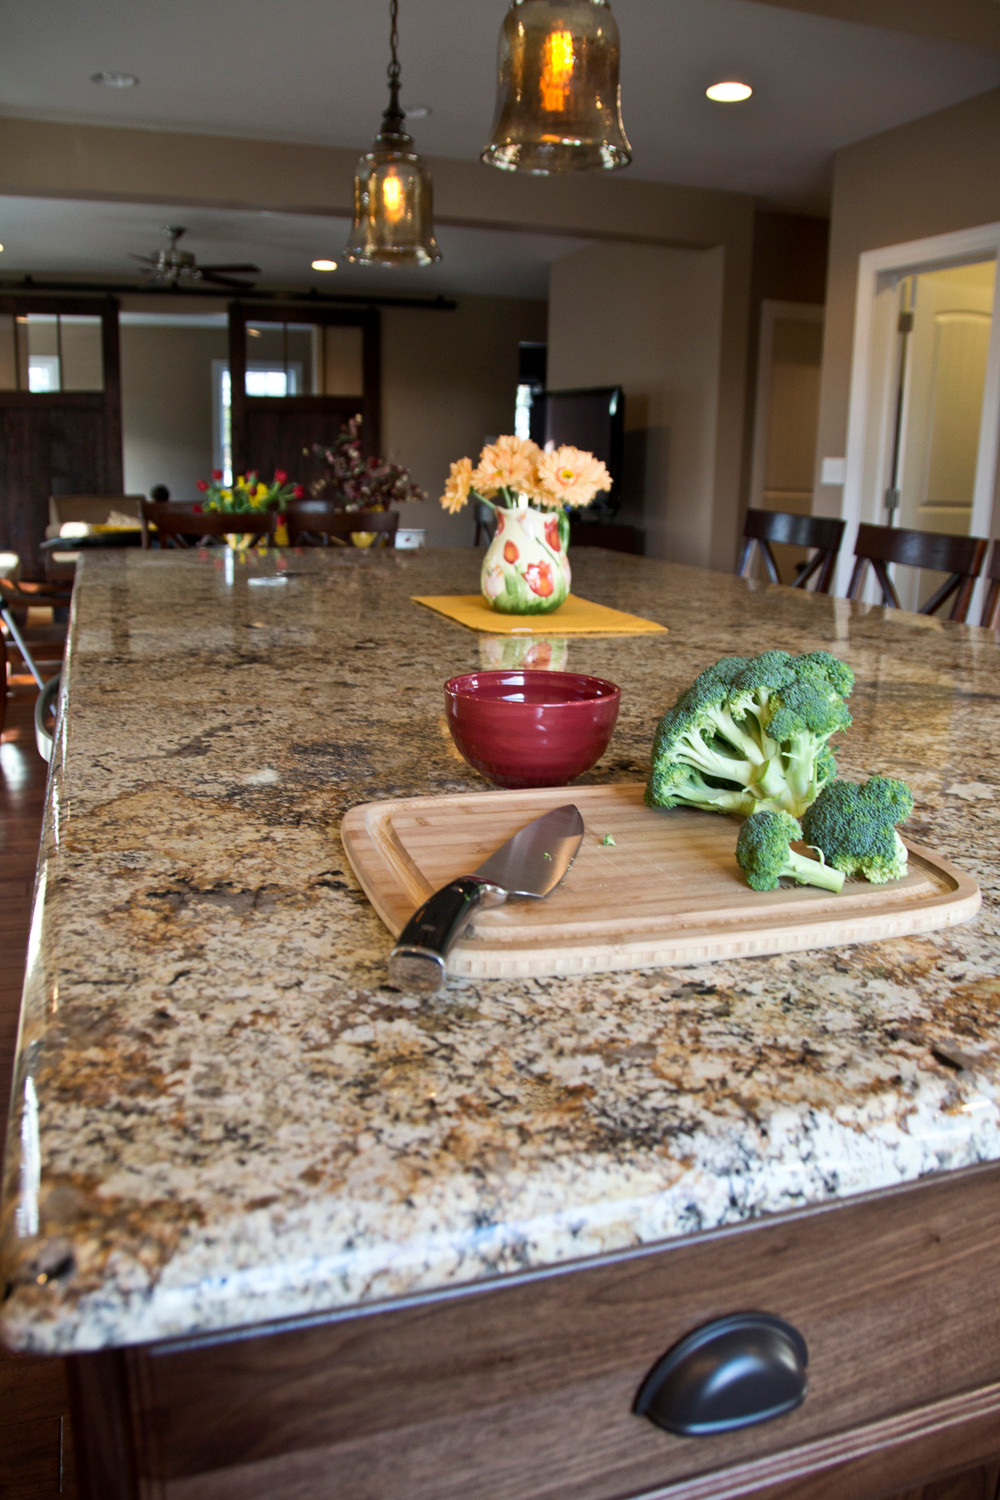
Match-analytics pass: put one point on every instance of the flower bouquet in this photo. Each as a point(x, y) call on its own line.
point(247, 495)
point(352, 482)
point(526, 569)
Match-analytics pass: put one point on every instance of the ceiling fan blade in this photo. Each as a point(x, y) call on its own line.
point(225, 281)
point(147, 260)
point(245, 270)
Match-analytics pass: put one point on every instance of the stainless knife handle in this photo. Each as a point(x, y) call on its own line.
point(417, 961)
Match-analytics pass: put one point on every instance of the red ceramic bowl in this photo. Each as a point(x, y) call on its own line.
point(531, 728)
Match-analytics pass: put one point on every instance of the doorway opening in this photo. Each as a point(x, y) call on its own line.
point(924, 425)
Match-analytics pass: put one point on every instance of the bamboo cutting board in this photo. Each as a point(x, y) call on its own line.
point(668, 891)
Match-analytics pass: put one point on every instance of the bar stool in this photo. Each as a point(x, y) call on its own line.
point(961, 557)
point(991, 605)
point(824, 533)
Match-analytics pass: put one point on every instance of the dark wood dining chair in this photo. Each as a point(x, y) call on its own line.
point(178, 525)
point(319, 523)
point(961, 557)
point(823, 534)
point(990, 616)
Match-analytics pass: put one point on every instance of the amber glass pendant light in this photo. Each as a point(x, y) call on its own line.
point(393, 208)
point(558, 103)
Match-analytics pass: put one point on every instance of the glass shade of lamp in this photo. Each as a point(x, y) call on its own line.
point(393, 208)
point(558, 101)
point(393, 203)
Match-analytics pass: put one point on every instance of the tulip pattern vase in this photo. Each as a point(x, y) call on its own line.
point(526, 569)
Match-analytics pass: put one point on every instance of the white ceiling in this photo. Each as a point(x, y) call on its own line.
point(314, 71)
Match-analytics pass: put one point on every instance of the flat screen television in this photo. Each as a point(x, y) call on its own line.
point(592, 418)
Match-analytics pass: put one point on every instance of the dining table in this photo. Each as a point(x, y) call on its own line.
point(300, 1233)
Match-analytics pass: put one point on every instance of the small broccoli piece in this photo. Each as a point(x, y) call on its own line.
point(764, 853)
point(752, 733)
point(854, 825)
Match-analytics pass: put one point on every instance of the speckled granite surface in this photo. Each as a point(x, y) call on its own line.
point(222, 1114)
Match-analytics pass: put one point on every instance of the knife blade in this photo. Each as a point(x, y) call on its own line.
point(530, 864)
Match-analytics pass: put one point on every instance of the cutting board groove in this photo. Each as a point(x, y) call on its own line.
point(667, 892)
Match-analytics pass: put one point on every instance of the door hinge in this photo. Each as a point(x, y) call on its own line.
point(892, 499)
point(906, 322)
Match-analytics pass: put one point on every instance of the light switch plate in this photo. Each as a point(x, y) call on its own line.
point(832, 471)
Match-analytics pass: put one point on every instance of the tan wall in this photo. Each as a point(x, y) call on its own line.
point(936, 175)
point(167, 406)
point(448, 383)
point(55, 160)
point(650, 320)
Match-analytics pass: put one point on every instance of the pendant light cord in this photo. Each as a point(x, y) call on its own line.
point(394, 116)
point(394, 43)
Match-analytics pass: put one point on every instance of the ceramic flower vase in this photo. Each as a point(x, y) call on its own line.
point(526, 569)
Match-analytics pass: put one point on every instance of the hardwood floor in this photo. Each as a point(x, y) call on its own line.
point(36, 1459)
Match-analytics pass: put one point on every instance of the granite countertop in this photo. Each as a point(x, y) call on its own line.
point(223, 1114)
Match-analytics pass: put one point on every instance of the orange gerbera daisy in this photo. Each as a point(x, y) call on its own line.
point(507, 464)
point(572, 477)
point(456, 490)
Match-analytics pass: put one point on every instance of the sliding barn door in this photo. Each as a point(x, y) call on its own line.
point(297, 376)
point(60, 412)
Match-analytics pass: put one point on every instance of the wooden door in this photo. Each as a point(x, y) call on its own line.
point(945, 323)
point(64, 439)
point(329, 359)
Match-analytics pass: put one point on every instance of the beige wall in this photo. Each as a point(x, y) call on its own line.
point(448, 383)
point(167, 406)
point(650, 320)
point(936, 175)
point(56, 160)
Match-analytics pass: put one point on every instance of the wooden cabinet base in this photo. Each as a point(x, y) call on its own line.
point(524, 1390)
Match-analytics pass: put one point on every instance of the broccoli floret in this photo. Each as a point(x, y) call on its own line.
point(854, 825)
point(752, 733)
point(764, 853)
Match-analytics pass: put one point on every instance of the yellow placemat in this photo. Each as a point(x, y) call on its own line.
point(573, 617)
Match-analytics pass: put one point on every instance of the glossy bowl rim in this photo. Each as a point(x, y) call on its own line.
point(604, 690)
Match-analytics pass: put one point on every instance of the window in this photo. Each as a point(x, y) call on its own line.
point(263, 379)
point(50, 352)
point(43, 372)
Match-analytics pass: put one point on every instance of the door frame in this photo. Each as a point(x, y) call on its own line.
point(867, 388)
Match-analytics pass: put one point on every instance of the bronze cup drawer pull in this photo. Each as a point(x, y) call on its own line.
point(730, 1373)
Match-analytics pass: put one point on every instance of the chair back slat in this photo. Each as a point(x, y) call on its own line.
point(991, 604)
point(961, 557)
point(824, 534)
point(178, 525)
point(319, 523)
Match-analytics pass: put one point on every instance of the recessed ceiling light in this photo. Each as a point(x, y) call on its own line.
point(254, 333)
point(112, 80)
point(729, 93)
point(416, 111)
point(324, 265)
point(1, 249)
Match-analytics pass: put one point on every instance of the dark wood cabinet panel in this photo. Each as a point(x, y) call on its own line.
point(58, 442)
point(524, 1391)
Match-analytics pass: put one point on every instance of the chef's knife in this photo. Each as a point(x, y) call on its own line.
point(531, 863)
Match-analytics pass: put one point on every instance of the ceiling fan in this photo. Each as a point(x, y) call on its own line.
point(173, 267)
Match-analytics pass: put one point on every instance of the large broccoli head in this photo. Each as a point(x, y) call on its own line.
point(854, 825)
point(752, 733)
